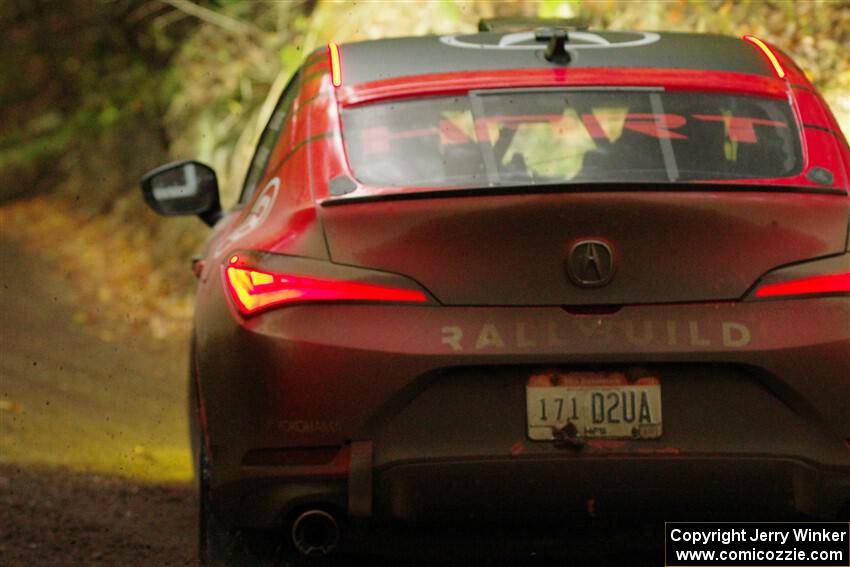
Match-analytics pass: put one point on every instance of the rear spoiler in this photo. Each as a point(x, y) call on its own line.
point(445, 193)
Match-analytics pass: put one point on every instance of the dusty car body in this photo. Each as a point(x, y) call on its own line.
point(407, 320)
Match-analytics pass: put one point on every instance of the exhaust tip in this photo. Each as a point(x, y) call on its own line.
point(315, 533)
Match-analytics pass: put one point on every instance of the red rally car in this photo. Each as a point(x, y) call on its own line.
point(539, 275)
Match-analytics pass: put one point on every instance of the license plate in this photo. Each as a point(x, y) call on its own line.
point(592, 404)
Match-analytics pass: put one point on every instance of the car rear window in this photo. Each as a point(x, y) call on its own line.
point(549, 136)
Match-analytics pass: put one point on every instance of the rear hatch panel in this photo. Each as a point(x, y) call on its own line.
point(668, 246)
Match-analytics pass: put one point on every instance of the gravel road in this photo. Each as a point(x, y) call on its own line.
point(53, 517)
point(94, 458)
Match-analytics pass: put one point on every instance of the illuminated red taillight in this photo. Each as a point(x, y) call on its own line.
point(254, 290)
point(336, 69)
point(815, 285)
point(768, 52)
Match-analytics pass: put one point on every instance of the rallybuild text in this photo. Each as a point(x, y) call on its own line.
point(823, 544)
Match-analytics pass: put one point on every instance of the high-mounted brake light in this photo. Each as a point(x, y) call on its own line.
point(780, 72)
point(336, 70)
point(255, 290)
point(815, 285)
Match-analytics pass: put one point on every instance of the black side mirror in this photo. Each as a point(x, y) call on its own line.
point(183, 188)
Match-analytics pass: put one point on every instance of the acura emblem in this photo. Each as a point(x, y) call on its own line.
point(590, 263)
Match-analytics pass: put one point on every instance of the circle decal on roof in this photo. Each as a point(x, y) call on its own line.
point(525, 40)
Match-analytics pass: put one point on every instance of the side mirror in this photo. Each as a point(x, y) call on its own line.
point(183, 188)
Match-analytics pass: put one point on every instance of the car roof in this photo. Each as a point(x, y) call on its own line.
point(376, 60)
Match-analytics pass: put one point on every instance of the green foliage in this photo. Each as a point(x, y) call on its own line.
point(82, 70)
point(27, 153)
point(558, 9)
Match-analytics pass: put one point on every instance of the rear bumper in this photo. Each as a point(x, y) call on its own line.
point(755, 420)
point(609, 490)
point(581, 490)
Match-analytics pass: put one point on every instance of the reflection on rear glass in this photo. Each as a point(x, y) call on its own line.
point(556, 136)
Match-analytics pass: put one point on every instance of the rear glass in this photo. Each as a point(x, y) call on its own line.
point(555, 136)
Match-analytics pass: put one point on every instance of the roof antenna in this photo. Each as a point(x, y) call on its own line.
point(556, 50)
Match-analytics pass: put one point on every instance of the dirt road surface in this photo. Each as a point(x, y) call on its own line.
point(94, 458)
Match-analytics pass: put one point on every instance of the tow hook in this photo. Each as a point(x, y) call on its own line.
point(567, 437)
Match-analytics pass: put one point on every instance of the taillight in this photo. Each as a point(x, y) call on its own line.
point(255, 290)
point(815, 285)
point(336, 66)
point(768, 52)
